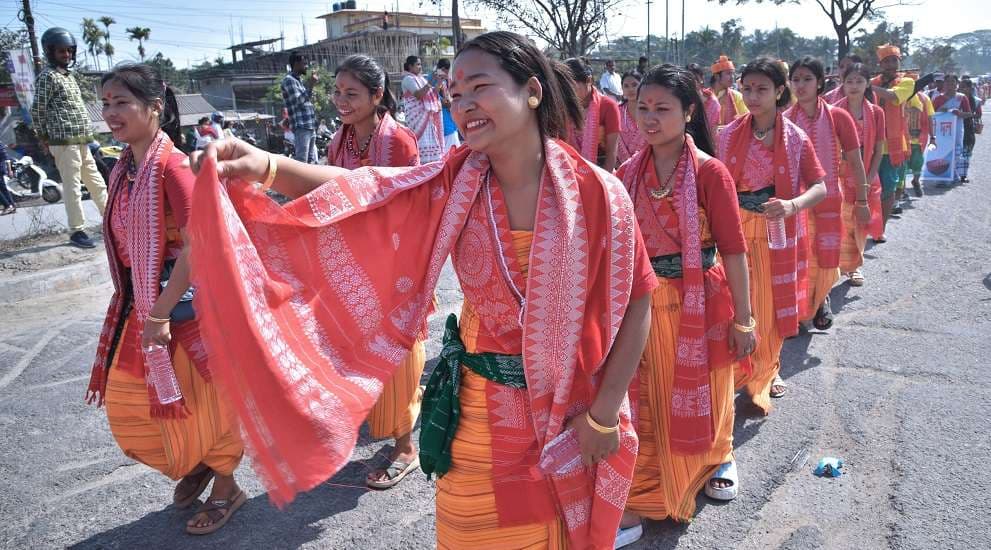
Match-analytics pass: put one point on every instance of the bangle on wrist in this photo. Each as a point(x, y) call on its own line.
point(273, 168)
point(158, 320)
point(599, 427)
point(749, 327)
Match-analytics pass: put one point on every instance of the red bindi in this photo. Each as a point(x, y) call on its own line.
point(459, 74)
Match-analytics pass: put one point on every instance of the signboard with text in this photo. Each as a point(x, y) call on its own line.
point(939, 165)
point(20, 64)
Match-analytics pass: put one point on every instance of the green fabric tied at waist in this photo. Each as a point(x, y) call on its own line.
point(754, 200)
point(669, 265)
point(441, 409)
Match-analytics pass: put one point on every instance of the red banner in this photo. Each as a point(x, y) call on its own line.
point(8, 97)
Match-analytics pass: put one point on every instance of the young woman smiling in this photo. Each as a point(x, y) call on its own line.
point(630, 137)
point(556, 283)
point(837, 146)
point(777, 178)
point(597, 137)
point(370, 136)
point(686, 205)
point(869, 119)
point(151, 187)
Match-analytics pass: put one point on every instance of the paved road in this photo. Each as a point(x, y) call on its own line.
point(895, 389)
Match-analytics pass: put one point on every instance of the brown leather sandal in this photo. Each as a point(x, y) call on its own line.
point(219, 511)
point(191, 487)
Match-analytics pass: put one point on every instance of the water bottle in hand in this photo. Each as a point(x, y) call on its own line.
point(561, 456)
point(161, 374)
point(776, 236)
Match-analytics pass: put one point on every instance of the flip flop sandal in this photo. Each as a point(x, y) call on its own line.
point(880, 240)
point(778, 382)
point(627, 536)
point(725, 472)
point(824, 317)
point(856, 279)
point(191, 487)
point(219, 511)
point(394, 473)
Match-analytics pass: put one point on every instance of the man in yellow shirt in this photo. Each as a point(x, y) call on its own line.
point(919, 111)
point(731, 105)
point(893, 91)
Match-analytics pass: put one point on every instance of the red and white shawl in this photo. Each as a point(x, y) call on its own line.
point(321, 300)
point(789, 265)
point(869, 133)
point(424, 117)
point(587, 141)
point(380, 151)
point(631, 139)
point(712, 109)
point(145, 243)
point(834, 96)
point(692, 429)
point(828, 213)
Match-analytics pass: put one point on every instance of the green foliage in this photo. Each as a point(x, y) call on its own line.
point(866, 43)
point(322, 95)
point(87, 86)
point(93, 39)
point(178, 79)
point(140, 34)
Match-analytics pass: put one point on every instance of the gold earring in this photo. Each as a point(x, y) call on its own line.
point(533, 102)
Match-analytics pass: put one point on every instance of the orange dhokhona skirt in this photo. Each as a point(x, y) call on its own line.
point(397, 409)
point(174, 447)
point(665, 484)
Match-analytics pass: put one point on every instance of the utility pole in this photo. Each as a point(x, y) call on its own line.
point(456, 25)
point(667, 38)
point(28, 20)
point(681, 50)
point(648, 32)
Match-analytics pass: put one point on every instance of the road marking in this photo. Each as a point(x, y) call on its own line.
point(35, 351)
point(124, 473)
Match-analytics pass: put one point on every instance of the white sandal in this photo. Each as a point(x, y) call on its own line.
point(627, 536)
point(726, 472)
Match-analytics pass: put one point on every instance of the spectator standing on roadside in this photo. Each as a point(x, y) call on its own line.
point(6, 199)
point(302, 116)
point(441, 81)
point(205, 133)
point(62, 124)
point(610, 82)
point(643, 64)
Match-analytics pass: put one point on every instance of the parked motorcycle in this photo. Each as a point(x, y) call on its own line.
point(32, 182)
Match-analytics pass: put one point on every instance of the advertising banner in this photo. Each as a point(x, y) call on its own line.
point(21, 67)
point(939, 165)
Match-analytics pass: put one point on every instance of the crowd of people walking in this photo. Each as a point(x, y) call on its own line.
point(631, 256)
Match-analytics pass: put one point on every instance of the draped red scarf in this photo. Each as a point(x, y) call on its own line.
point(423, 116)
point(631, 139)
point(829, 213)
point(380, 148)
point(789, 265)
point(317, 302)
point(727, 107)
point(702, 332)
point(145, 243)
point(868, 139)
point(712, 110)
point(587, 141)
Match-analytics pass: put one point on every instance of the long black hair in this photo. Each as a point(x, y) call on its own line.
point(559, 108)
point(684, 86)
point(410, 61)
point(147, 86)
point(815, 67)
point(581, 71)
point(772, 69)
point(367, 71)
point(862, 70)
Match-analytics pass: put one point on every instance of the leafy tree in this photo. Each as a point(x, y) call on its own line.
point(108, 48)
point(140, 34)
point(844, 15)
point(321, 96)
point(570, 27)
point(934, 55)
point(178, 79)
point(93, 38)
point(866, 43)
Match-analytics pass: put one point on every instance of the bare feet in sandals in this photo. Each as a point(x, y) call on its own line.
point(778, 387)
point(225, 498)
point(191, 486)
point(403, 460)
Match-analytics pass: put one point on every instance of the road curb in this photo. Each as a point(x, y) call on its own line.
point(54, 281)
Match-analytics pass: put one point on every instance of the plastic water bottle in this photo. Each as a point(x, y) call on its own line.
point(161, 374)
point(561, 456)
point(776, 236)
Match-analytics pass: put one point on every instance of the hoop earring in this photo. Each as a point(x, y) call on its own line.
point(533, 102)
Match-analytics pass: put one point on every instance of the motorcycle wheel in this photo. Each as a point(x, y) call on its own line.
point(51, 194)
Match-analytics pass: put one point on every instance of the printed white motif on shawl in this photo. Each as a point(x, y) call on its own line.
point(610, 486)
point(577, 514)
point(691, 403)
point(350, 283)
point(404, 284)
point(691, 351)
point(511, 409)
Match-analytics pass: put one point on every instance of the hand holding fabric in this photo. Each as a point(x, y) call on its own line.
point(742, 343)
point(236, 159)
point(155, 333)
point(595, 446)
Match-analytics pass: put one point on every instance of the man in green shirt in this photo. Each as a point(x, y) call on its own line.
point(61, 122)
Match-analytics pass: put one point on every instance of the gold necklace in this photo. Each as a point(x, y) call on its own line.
point(761, 133)
point(665, 190)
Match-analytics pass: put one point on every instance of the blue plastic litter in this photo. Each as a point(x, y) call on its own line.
point(829, 466)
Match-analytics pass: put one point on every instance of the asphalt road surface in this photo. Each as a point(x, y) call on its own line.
point(896, 389)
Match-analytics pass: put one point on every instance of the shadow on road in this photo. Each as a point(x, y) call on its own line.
point(257, 524)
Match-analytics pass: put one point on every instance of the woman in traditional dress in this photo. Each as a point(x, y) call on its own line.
point(422, 107)
point(597, 137)
point(778, 178)
point(837, 146)
point(630, 138)
point(952, 101)
point(331, 291)
point(869, 119)
point(709, 100)
point(150, 368)
point(686, 205)
point(370, 136)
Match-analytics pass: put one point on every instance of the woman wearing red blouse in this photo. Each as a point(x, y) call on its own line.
point(685, 202)
point(834, 135)
point(151, 369)
point(777, 178)
point(598, 139)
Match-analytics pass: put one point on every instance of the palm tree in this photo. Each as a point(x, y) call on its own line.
point(108, 49)
point(93, 38)
point(140, 34)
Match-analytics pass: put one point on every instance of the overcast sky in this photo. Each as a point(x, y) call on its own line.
point(188, 32)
